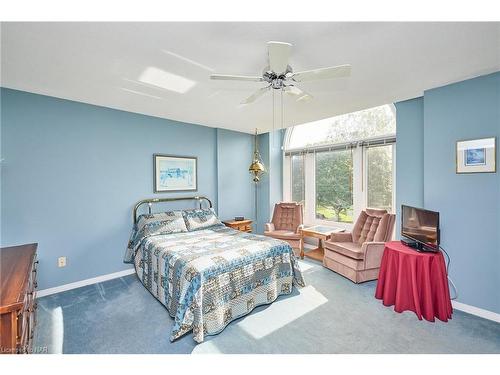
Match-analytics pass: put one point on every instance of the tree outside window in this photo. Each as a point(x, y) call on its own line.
point(379, 177)
point(334, 186)
point(356, 126)
point(298, 193)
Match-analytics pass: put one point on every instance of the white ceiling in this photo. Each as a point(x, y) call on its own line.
point(101, 63)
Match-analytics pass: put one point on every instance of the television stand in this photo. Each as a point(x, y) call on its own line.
point(417, 246)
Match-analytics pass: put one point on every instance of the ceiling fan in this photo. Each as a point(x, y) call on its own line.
point(280, 76)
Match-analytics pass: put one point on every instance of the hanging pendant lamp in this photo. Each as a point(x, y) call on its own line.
point(257, 168)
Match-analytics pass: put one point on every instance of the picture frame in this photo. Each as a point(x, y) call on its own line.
point(174, 173)
point(476, 155)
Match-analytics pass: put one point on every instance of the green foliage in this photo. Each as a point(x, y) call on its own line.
point(350, 127)
point(298, 193)
point(328, 214)
point(361, 125)
point(379, 169)
point(334, 182)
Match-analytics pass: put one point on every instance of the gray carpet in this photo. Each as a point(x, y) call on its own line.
point(330, 315)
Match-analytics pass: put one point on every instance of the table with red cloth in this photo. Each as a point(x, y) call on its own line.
point(416, 281)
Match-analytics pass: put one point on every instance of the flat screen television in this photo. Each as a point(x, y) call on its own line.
point(421, 226)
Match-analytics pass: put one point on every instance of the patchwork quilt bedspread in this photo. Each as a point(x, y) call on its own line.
point(209, 277)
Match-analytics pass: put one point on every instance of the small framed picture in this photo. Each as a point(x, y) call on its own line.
point(174, 173)
point(476, 156)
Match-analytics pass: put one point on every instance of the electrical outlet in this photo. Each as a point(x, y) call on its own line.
point(61, 262)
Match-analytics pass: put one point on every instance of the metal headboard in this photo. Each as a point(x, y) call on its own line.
point(150, 202)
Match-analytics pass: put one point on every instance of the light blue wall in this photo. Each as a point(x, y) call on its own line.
point(469, 205)
point(73, 171)
point(236, 192)
point(409, 156)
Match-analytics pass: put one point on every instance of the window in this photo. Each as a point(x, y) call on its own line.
point(298, 188)
point(379, 177)
point(334, 186)
point(341, 165)
point(356, 126)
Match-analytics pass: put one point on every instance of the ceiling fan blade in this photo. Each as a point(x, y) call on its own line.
point(279, 53)
point(323, 73)
point(229, 77)
point(299, 93)
point(256, 95)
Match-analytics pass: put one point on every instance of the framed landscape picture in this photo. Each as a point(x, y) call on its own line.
point(174, 173)
point(476, 156)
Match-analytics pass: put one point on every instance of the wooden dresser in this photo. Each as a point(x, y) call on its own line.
point(17, 298)
point(241, 225)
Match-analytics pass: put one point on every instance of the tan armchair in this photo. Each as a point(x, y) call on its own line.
point(357, 255)
point(286, 224)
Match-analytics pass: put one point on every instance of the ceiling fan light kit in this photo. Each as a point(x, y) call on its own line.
point(279, 74)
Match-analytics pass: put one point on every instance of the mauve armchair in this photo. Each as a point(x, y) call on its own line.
point(286, 224)
point(357, 254)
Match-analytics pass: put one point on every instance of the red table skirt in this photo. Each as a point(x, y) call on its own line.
point(416, 281)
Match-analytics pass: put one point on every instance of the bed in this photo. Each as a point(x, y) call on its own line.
point(205, 273)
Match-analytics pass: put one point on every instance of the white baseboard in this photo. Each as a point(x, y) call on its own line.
point(79, 284)
point(486, 314)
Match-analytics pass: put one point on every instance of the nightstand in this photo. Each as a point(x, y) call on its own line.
point(241, 225)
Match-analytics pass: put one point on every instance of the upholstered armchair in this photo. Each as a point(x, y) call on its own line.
point(286, 224)
point(357, 254)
